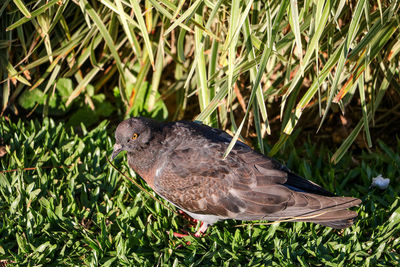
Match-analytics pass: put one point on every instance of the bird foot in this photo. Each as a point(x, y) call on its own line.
point(199, 233)
point(187, 217)
point(202, 230)
point(179, 235)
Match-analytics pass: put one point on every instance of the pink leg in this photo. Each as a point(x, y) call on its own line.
point(179, 235)
point(199, 233)
point(187, 217)
point(202, 229)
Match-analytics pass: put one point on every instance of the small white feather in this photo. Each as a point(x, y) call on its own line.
point(380, 182)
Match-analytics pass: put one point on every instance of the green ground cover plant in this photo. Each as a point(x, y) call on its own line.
point(81, 211)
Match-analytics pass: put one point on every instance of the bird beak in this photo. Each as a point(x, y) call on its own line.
point(117, 149)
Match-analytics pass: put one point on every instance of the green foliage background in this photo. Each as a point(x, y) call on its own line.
point(259, 68)
point(216, 61)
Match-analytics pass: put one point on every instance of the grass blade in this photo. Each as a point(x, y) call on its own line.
point(165, 12)
point(322, 20)
point(127, 30)
point(143, 29)
point(12, 73)
point(110, 43)
point(204, 98)
point(186, 15)
point(294, 22)
point(253, 72)
point(230, 44)
point(349, 39)
point(34, 14)
point(341, 151)
point(377, 44)
point(82, 84)
point(22, 8)
point(361, 90)
point(155, 82)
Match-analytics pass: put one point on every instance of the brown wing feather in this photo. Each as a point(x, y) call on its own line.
point(224, 187)
point(246, 185)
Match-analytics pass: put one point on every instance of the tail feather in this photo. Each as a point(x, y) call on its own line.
point(339, 224)
point(337, 219)
point(334, 217)
point(333, 214)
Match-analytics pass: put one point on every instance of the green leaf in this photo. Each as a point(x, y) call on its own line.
point(140, 104)
point(65, 88)
point(29, 99)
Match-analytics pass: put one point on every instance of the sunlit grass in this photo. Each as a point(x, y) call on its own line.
point(86, 213)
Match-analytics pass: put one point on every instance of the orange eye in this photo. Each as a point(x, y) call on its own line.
point(134, 136)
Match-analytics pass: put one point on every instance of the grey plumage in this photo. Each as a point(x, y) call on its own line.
point(183, 162)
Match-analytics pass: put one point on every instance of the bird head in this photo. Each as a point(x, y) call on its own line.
point(132, 135)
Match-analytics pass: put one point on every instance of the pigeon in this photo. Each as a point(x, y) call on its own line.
point(183, 162)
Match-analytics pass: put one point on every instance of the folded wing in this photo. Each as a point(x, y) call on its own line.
point(244, 186)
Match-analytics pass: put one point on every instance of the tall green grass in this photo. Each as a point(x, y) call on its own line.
point(61, 57)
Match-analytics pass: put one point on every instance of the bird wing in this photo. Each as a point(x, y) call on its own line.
point(245, 185)
point(196, 178)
